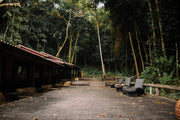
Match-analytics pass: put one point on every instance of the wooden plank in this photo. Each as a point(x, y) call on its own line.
point(162, 86)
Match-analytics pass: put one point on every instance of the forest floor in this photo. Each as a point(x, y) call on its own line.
point(88, 103)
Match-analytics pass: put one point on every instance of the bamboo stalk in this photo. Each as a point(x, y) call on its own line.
point(139, 47)
point(160, 29)
point(177, 60)
point(153, 27)
point(134, 55)
point(70, 46)
point(72, 58)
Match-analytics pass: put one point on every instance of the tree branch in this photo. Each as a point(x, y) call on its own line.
point(10, 4)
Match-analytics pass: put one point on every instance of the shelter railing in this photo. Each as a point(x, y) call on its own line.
point(158, 87)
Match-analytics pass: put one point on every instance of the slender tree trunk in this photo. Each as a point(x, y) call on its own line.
point(85, 59)
point(146, 53)
point(177, 60)
point(115, 66)
point(126, 59)
point(160, 29)
point(153, 27)
point(135, 61)
point(67, 29)
point(12, 32)
point(75, 59)
point(37, 45)
point(72, 58)
point(150, 56)
point(139, 47)
point(99, 39)
point(70, 47)
point(6, 32)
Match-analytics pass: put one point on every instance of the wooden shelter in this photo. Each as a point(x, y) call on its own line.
point(22, 67)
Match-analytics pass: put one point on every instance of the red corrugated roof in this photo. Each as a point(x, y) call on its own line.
point(30, 50)
point(50, 56)
point(42, 55)
point(47, 56)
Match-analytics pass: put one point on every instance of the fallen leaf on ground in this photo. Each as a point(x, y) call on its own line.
point(120, 116)
point(97, 116)
point(171, 113)
point(132, 113)
point(162, 103)
point(133, 103)
point(103, 114)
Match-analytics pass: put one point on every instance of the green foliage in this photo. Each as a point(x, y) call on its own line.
point(164, 64)
point(162, 72)
point(150, 75)
point(1, 36)
point(88, 70)
point(168, 79)
point(172, 95)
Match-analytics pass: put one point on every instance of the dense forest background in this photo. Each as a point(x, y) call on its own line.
point(137, 37)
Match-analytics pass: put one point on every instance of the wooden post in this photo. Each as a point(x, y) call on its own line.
point(158, 91)
point(150, 90)
point(82, 75)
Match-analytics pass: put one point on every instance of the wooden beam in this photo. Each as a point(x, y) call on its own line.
point(171, 87)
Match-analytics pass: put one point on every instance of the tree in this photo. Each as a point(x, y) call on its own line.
point(134, 55)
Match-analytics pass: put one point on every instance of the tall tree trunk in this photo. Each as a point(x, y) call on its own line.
point(72, 58)
point(85, 59)
point(115, 66)
point(99, 39)
point(12, 32)
point(150, 56)
point(75, 59)
point(135, 61)
point(160, 29)
point(153, 27)
point(177, 60)
point(67, 29)
point(126, 59)
point(70, 47)
point(146, 53)
point(6, 31)
point(37, 45)
point(139, 47)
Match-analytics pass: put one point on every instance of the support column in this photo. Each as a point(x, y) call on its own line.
point(158, 91)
